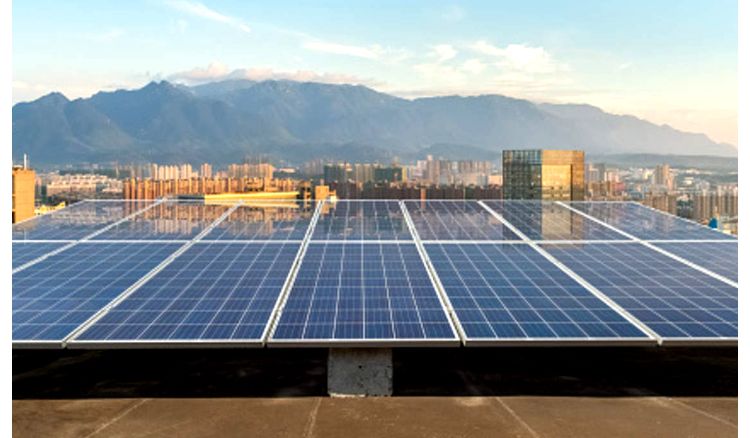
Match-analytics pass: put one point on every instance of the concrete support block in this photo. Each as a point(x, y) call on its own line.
point(360, 372)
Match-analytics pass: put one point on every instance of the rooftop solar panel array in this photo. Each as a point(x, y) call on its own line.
point(456, 220)
point(52, 298)
point(171, 220)
point(259, 221)
point(369, 273)
point(24, 252)
point(363, 292)
point(361, 220)
point(511, 293)
point(77, 221)
point(674, 300)
point(720, 258)
point(645, 223)
point(213, 292)
point(551, 221)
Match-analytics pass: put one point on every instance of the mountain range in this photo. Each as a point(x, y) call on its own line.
point(223, 122)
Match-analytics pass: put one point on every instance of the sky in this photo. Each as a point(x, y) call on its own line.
point(672, 62)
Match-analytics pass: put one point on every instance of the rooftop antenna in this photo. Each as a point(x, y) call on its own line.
point(25, 161)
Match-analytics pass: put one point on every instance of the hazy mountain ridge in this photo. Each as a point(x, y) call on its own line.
point(224, 121)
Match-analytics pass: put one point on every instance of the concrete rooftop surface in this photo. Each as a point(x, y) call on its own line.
point(452, 392)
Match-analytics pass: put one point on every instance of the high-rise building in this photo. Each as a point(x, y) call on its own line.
point(337, 172)
point(663, 177)
point(23, 192)
point(543, 174)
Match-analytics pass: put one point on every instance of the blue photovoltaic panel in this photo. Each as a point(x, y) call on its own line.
point(361, 220)
point(171, 220)
point(645, 223)
point(720, 258)
point(504, 293)
point(56, 295)
point(542, 220)
point(673, 299)
point(363, 292)
point(272, 221)
point(77, 221)
point(211, 292)
point(456, 220)
point(24, 252)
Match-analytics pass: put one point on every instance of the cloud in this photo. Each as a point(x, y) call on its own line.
point(444, 52)
point(368, 52)
point(217, 71)
point(520, 57)
point(474, 66)
point(200, 10)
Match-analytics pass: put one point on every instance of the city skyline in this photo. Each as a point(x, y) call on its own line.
point(626, 58)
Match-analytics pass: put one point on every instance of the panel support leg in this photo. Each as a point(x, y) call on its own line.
point(360, 372)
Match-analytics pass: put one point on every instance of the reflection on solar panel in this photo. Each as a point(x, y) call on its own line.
point(271, 222)
point(55, 296)
point(361, 220)
point(511, 293)
point(211, 292)
point(363, 292)
point(721, 258)
point(172, 220)
point(456, 220)
point(77, 221)
point(24, 252)
point(550, 221)
point(645, 223)
point(674, 300)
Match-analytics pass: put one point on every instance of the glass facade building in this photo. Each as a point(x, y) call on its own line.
point(543, 174)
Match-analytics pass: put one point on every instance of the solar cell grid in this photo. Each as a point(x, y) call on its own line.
point(264, 222)
point(674, 300)
point(511, 293)
point(171, 220)
point(362, 292)
point(645, 223)
point(540, 220)
point(720, 258)
point(56, 295)
point(361, 220)
point(213, 292)
point(77, 221)
point(456, 220)
point(24, 252)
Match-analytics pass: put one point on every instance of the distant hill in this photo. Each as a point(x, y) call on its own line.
point(724, 164)
point(224, 121)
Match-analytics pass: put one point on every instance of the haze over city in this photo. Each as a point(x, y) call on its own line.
point(667, 62)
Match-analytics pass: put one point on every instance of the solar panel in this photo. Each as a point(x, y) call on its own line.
point(456, 220)
point(540, 220)
point(676, 301)
point(720, 258)
point(272, 221)
point(213, 292)
point(76, 221)
point(24, 252)
point(53, 297)
point(645, 223)
point(171, 220)
point(363, 293)
point(505, 294)
point(361, 220)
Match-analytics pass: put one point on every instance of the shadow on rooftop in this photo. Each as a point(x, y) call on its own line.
point(595, 372)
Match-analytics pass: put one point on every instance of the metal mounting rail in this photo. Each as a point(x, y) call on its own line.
point(655, 248)
point(572, 274)
point(286, 289)
point(87, 237)
point(448, 309)
point(137, 285)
